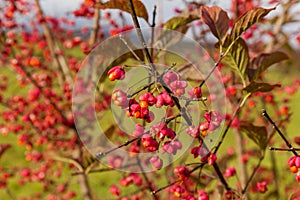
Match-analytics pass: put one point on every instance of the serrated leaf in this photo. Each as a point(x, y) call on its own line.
point(257, 134)
point(237, 57)
point(246, 20)
point(262, 62)
point(123, 5)
point(260, 87)
point(216, 19)
point(179, 21)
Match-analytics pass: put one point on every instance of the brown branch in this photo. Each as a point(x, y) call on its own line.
point(140, 35)
point(102, 154)
point(84, 186)
point(59, 60)
point(152, 30)
point(94, 33)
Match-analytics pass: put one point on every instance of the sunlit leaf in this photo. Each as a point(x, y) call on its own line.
point(257, 134)
point(262, 62)
point(237, 57)
point(123, 5)
point(216, 19)
point(179, 21)
point(246, 20)
point(260, 87)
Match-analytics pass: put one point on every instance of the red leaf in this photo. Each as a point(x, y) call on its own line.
point(216, 19)
point(123, 5)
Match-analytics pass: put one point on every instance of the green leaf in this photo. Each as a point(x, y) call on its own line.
point(179, 21)
point(260, 87)
point(237, 57)
point(246, 20)
point(262, 62)
point(257, 134)
point(216, 19)
point(123, 5)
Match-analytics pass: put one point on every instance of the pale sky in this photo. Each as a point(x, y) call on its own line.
point(61, 7)
point(65, 8)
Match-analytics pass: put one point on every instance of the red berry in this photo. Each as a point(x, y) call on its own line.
point(116, 73)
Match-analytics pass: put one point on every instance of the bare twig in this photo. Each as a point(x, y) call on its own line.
point(102, 154)
point(252, 174)
point(283, 149)
point(266, 115)
point(140, 35)
point(152, 29)
point(212, 71)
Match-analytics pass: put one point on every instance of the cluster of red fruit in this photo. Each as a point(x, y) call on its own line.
point(159, 134)
point(294, 164)
point(159, 131)
point(213, 121)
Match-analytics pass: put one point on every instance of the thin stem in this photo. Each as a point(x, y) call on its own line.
point(102, 154)
point(131, 50)
point(213, 69)
point(252, 175)
point(240, 105)
point(141, 89)
point(149, 184)
point(283, 149)
point(165, 187)
point(275, 172)
point(10, 194)
point(140, 34)
point(152, 29)
point(221, 177)
point(266, 115)
point(168, 120)
point(200, 165)
point(102, 170)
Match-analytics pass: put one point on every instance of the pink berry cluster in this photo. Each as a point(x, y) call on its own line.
point(139, 109)
point(294, 164)
point(183, 191)
point(177, 86)
point(131, 179)
point(182, 172)
point(213, 121)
